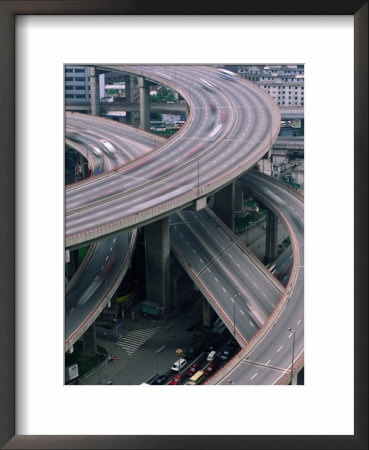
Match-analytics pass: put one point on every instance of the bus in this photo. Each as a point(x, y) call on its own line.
point(197, 378)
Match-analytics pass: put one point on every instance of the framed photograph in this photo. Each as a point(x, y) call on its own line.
point(39, 40)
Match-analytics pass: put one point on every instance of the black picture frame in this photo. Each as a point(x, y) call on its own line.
point(8, 10)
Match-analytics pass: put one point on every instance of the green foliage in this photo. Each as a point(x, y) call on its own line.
point(164, 95)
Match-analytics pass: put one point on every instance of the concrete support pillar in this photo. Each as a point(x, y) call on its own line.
point(224, 205)
point(208, 313)
point(157, 255)
point(94, 91)
point(144, 104)
point(271, 237)
point(89, 341)
point(210, 201)
point(129, 84)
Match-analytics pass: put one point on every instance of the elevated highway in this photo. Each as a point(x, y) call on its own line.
point(255, 320)
point(227, 131)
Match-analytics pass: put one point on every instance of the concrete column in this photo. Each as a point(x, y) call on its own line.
point(157, 255)
point(208, 313)
point(271, 237)
point(129, 84)
point(144, 104)
point(89, 341)
point(224, 205)
point(94, 91)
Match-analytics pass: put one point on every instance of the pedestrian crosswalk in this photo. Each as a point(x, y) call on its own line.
point(133, 340)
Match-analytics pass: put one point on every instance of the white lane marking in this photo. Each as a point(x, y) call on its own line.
point(264, 294)
point(224, 290)
point(287, 370)
point(106, 258)
point(254, 284)
point(253, 376)
point(290, 335)
point(267, 362)
point(194, 251)
point(187, 243)
point(248, 276)
point(216, 279)
point(298, 323)
point(280, 348)
point(252, 324)
point(238, 265)
point(201, 260)
point(232, 299)
point(242, 312)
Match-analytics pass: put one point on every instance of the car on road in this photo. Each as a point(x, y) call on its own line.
point(176, 379)
point(161, 379)
point(192, 369)
point(226, 353)
point(210, 368)
point(179, 365)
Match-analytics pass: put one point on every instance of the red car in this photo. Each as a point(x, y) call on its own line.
point(176, 379)
point(209, 368)
point(192, 369)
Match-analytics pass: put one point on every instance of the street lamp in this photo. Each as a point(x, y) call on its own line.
point(234, 313)
point(293, 353)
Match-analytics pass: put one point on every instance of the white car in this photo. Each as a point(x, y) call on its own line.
point(107, 147)
point(179, 365)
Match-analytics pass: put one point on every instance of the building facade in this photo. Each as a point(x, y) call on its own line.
point(285, 83)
